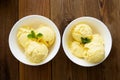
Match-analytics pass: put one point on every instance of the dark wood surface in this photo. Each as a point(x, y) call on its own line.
point(61, 12)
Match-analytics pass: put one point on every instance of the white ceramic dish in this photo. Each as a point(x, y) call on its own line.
point(98, 27)
point(14, 47)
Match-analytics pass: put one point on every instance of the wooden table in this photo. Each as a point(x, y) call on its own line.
point(61, 12)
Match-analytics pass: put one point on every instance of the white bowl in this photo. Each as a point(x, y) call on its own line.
point(98, 27)
point(36, 19)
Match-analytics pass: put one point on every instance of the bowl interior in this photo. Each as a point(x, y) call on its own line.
point(32, 21)
point(97, 27)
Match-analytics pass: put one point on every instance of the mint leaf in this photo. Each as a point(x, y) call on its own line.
point(39, 35)
point(30, 36)
point(85, 40)
point(33, 34)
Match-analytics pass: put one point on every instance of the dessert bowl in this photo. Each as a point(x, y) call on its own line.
point(98, 27)
point(33, 20)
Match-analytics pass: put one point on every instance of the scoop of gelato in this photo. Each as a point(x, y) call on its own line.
point(95, 51)
point(22, 37)
point(81, 30)
point(77, 49)
point(97, 38)
point(48, 35)
point(36, 52)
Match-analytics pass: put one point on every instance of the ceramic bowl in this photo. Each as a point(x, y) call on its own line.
point(32, 19)
point(98, 27)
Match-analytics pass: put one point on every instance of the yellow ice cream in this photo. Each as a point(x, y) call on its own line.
point(86, 45)
point(22, 37)
point(36, 52)
point(81, 30)
point(97, 39)
point(48, 35)
point(95, 51)
point(35, 42)
point(77, 49)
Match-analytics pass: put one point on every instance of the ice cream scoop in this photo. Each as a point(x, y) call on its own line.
point(77, 49)
point(22, 37)
point(48, 35)
point(36, 52)
point(97, 38)
point(96, 51)
point(81, 30)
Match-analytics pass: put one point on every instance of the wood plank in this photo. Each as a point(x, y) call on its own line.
point(91, 8)
point(29, 7)
point(62, 13)
point(8, 16)
point(111, 17)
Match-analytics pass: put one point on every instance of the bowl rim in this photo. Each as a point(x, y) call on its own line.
point(58, 39)
point(67, 52)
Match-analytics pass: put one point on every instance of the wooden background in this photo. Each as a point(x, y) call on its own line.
point(62, 12)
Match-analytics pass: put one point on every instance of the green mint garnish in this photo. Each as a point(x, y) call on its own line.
point(31, 35)
point(39, 35)
point(85, 40)
point(34, 36)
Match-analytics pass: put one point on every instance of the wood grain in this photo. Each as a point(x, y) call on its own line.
point(61, 12)
point(111, 17)
point(38, 7)
point(8, 16)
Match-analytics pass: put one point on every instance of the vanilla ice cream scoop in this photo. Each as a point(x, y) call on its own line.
point(77, 49)
point(36, 52)
point(95, 51)
point(97, 38)
point(81, 30)
point(48, 35)
point(22, 37)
